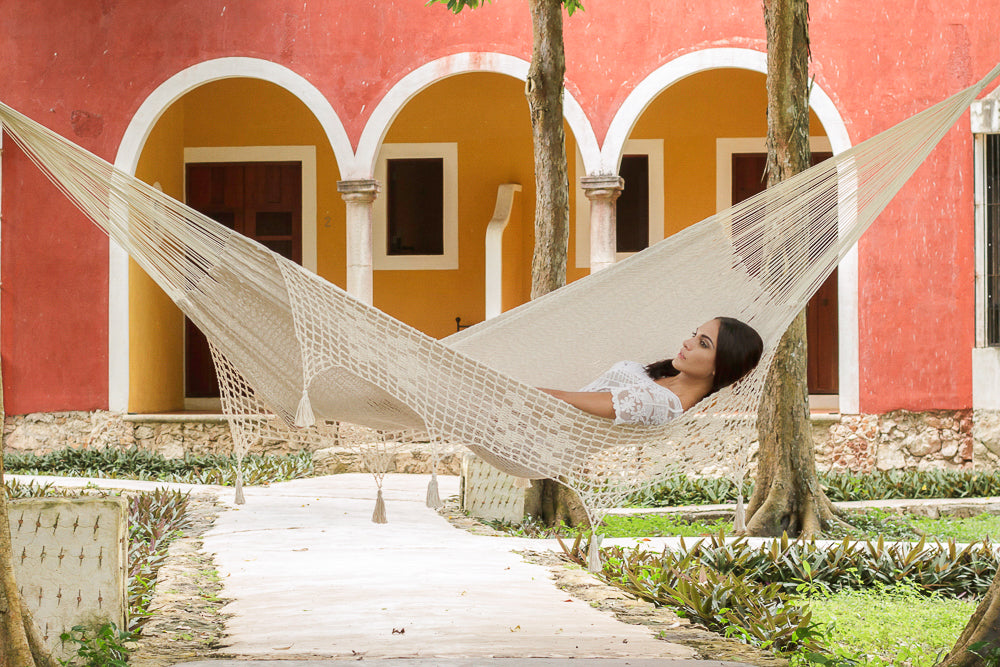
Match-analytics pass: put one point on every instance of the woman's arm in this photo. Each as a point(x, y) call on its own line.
point(597, 403)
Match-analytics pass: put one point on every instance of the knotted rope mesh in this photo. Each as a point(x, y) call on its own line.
point(290, 346)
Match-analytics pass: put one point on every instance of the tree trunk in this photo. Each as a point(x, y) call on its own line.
point(544, 90)
point(21, 644)
point(14, 648)
point(787, 496)
point(981, 633)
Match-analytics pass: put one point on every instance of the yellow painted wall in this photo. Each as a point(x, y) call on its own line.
point(689, 116)
point(156, 326)
point(231, 112)
point(487, 116)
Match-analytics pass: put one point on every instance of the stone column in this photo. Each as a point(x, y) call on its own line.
point(603, 192)
point(360, 197)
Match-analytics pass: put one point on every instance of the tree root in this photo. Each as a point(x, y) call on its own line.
point(39, 651)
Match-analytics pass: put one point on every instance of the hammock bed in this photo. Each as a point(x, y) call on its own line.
point(295, 353)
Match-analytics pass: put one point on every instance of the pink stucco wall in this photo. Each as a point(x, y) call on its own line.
point(83, 67)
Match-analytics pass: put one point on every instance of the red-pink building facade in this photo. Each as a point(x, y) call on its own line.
point(85, 68)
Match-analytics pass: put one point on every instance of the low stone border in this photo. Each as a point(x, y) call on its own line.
point(959, 508)
point(934, 439)
point(187, 622)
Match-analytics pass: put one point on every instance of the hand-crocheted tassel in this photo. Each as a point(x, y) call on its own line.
point(594, 553)
point(740, 520)
point(304, 415)
point(240, 500)
point(378, 516)
point(522, 483)
point(433, 497)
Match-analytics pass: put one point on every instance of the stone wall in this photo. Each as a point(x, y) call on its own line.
point(70, 562)
point(952, 439)
point(901, 440)
point(173, 436)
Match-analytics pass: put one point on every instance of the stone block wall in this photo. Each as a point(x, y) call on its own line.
point(952, 439)
point(70, 562)
point(901, 440)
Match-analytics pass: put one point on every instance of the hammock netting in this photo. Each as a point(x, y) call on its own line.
point(295, 353)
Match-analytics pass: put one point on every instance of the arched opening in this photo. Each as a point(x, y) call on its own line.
point(441, 161)
point(701, 142)
point(248, 153)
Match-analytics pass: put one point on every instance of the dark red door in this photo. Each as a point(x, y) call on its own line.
point(821, 312)
point(262, 200)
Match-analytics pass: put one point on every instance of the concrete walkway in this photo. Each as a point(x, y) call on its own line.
point(311, 576)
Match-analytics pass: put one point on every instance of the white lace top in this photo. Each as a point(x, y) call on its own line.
point(636, 397)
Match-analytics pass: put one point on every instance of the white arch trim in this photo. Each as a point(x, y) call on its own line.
point(127, 159)
point(836, 130)
point(460, 63)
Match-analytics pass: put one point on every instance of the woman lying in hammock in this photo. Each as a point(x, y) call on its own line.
point(719, 353)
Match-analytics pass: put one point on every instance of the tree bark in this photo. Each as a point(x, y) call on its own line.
point(787, 496)
point(544, 90)
point(983, 629)
point(21, 644)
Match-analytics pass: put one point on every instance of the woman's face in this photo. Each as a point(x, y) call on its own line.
point(697, 355)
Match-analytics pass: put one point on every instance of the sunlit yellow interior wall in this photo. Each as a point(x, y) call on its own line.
point(486, 115)
point(156, 326)
point(689, 116)
point(230, 112)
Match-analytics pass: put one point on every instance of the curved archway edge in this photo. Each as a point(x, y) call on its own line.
point(461, 63)
point(821, 103)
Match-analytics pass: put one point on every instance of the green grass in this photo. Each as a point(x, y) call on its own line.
point(866, 525)
point(660, 526)
point(961, 530)
point(889, 626)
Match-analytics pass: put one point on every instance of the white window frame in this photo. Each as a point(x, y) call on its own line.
point(985, 360)
point(381, 260)
point(653, 150)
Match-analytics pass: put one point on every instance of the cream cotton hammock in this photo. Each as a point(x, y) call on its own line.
point(295, 353)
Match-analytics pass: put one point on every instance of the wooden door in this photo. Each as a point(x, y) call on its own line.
point(821, 312)
point(262, 200)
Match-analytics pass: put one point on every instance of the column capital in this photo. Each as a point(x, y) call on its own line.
point(361, 190)
point(602, 187)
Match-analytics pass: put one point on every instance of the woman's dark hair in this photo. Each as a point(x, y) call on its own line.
point(737, 352)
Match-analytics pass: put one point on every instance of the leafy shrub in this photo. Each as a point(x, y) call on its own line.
point(682, 489)
point(756, 593)
point(101, 646)
point(155, 520)
point(729, 603)
point(944, 569)
point(33, 489)
point(134, 463)
point(884, 485)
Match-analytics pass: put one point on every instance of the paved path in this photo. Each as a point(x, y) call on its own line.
point(311, 576)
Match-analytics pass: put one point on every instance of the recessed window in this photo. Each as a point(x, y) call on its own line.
point(415, 206)
point(416, 213)
point(991, 192)
point(632, 207)
point(639, 208)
